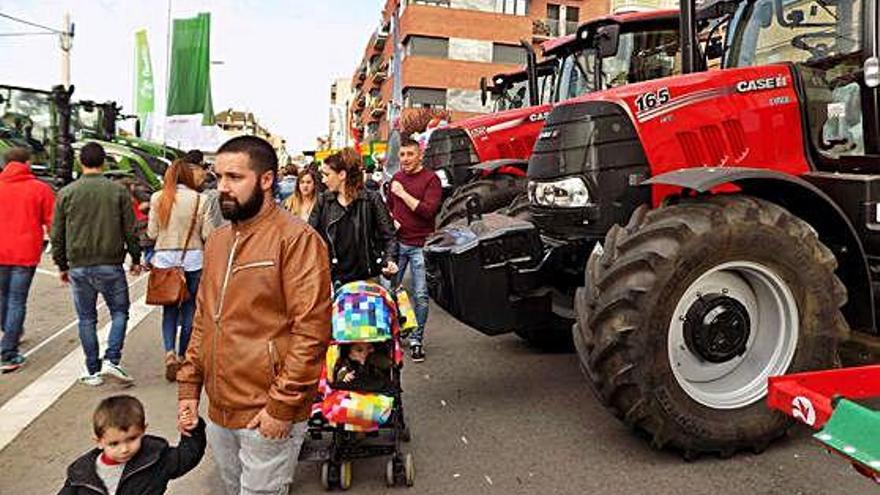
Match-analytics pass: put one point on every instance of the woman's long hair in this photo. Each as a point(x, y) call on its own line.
point(349, 161)
point(296, 202)
point(178, 173)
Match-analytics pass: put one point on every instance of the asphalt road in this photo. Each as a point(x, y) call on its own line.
point(488, 415)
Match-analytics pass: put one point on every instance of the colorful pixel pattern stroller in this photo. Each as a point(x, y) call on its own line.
point(348, 424)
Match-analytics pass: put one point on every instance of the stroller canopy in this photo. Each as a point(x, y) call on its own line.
point(363, 312)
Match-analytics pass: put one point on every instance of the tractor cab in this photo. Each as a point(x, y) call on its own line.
point(510, 90)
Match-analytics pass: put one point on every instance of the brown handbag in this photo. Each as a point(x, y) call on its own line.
point(167, 286)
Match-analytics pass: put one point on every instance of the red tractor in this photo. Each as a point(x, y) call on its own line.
point(487, 156)
point(725, 224)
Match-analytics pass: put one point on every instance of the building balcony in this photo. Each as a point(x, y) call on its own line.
point(377, 109)
point(378, 40)
point(433, 3)
point(379, 71)
point(545, 29)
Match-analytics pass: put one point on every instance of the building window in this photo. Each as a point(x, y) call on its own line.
point(424, 98)
point(423, 46)
point(512, 7)
point(553, 13)
point(572, 16)
point(508, 54)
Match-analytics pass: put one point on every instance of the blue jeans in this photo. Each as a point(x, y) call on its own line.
point(109, 281)
point(15, 283)
point(182, 315)
point(414, 257)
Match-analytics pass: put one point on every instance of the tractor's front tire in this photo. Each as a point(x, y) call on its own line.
point(495, 192)
point(690, 307)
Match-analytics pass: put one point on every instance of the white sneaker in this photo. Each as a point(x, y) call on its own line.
point(94, 380)
point(117, 372)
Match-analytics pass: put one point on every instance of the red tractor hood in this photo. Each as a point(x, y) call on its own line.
point(509, 134)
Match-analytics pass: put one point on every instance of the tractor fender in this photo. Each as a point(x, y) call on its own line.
point(510, 166)
point(807, 202)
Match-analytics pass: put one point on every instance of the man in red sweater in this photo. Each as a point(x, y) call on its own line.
point(413, 202)
point(27, 206)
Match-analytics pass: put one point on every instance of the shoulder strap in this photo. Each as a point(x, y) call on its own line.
point(192, 226)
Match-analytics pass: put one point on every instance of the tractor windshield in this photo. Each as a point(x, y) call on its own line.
point(801, 31)
point(640, 56)
point(85, 121)
point(514, 95)
point(29, 113)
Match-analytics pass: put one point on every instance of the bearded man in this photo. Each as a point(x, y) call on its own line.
point(261, 327)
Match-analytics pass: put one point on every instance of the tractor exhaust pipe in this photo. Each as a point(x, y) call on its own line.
point(532, 71)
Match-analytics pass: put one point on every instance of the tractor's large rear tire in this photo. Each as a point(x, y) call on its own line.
point(690, 307)
point(495, 192)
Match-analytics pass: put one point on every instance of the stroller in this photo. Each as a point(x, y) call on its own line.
point(363, 417)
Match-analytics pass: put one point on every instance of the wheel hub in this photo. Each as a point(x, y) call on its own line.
point(717, 328)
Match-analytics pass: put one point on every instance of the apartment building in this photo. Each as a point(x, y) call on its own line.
point(340, 101)
point(432, 53)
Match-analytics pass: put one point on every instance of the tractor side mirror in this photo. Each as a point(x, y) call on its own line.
point(872, 72)
point(607, 39)
point(484, 91)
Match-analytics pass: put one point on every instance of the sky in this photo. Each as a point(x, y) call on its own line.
point(279, 57)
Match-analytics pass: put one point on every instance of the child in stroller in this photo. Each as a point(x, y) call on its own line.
point(359, 412)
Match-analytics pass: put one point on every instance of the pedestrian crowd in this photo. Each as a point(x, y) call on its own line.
point(244, 279)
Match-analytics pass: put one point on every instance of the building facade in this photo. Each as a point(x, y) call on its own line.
point(432, 53)
point(340, 102)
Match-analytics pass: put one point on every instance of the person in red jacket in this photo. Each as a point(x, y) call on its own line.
point(27, 206)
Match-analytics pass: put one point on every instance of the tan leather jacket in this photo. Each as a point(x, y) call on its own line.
point(262, 320)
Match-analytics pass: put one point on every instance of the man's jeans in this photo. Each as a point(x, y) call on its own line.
point(182, 315)
point(250, 464)
point(109, 281)
point(414, 256)
point(15, 283)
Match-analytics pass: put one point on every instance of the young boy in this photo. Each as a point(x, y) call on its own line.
point(126, 461)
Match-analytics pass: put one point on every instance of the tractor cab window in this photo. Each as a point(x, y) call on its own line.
point(577, 75)
point(546, 86)
point(799, 31)
point(641, 57)
point(514, 95)
point(823, 38)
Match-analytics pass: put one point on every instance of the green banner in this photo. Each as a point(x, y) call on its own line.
point(143, 80)
point(189, 85)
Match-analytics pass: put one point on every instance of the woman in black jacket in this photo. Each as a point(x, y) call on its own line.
point(354, 222)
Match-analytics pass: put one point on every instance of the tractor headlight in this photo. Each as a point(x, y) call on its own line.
point(565, 193)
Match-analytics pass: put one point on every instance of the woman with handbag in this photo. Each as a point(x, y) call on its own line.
point(180, 224)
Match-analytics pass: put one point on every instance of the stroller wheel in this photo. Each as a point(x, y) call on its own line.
point(409, 470)
point(345, 475)
point(389, 473)
point(325, 476)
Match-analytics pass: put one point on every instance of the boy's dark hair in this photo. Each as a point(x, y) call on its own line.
point(261, 154)
point(406, 141)
point(194, 157)
point(119, 411)
point(92, 155)
point(17, 154)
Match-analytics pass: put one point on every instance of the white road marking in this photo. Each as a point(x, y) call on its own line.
point(26, 406)
point(72, 324)
point(51, 273)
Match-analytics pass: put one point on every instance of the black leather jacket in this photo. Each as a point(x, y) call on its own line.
point(374, 233)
